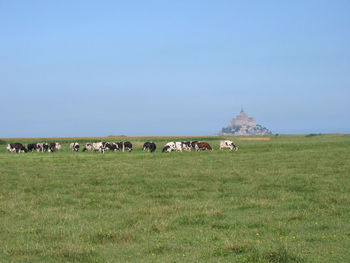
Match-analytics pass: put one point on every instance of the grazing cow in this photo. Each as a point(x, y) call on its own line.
point(123, 146)
point(39, 147)
point(170, 146)
point(20, 148)
point(175, 146)
point(166, 149)
point(228, 144)
point(203, 146)
point(193, 144)
point(127, 146)
point(116, 146)
point(74, 146)
point(107, 146)
point(31, 147)
point(16, 147)
point(98, 146)
point(10, 148)
point(178, 146)
point(186, 146)
point(58, 146)
point(43, 147)
point(101, 146)
point(88, 147)
point(54, 146)
point(150, 146)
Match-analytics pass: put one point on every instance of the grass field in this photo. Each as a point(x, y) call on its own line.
point(281, 199)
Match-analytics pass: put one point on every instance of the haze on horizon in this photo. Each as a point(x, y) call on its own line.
point(98, 68)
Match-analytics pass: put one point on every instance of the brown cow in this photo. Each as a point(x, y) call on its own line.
point(203, 146)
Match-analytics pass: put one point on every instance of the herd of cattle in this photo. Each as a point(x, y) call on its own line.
point(119, 146)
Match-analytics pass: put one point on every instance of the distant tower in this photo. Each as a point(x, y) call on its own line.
point(244, 125)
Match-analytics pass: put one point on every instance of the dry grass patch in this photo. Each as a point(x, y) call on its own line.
point(255, 139)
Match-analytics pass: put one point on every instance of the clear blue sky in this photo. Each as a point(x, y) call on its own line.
point(184, 67)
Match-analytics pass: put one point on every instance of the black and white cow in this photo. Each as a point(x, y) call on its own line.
point(42, 147)
point(16, 147)
point(46, 147)
point(20, 148)
point(74, 146)
point(10, 148)
point(31, 147)
point(88, 147)
point(169, 147)
point(174, 146)
point(150, 146)
point(101, 146)
point(107, 146)
point(98, 146)
point(54, 146)
point(114, 146)
point(122, 146)
point(127, 146)
point(166, 149)
point(228, 145)
point(58, 146)
point(186, 146)
point(39, 147)
point(193, 144)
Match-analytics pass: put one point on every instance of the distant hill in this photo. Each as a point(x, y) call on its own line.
point(244, 125)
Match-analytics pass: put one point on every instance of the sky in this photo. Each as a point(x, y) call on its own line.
point(184, 67)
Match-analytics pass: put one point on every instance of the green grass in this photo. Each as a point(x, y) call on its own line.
point(282, 200)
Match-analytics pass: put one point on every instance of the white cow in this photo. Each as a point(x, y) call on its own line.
point(174, 146)
point(178, 146)
point(58, 146)
point(100, 146)
point(228, 145)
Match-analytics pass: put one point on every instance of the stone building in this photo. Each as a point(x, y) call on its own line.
point(244, 125)
point(241, 120)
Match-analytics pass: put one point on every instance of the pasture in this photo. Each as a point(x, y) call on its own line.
point(281, 199)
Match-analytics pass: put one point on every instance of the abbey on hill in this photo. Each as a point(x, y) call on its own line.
point(244, 125)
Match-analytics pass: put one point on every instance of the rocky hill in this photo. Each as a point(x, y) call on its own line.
point(244, 125)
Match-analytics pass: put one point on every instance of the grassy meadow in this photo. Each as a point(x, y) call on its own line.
point(282, 198)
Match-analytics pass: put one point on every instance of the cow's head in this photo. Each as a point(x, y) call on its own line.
point(108, 146)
